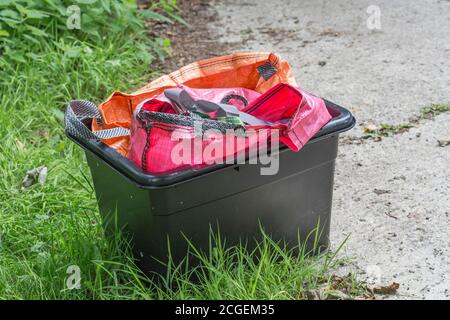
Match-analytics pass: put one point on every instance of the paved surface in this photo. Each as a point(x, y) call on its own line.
point(392, 197)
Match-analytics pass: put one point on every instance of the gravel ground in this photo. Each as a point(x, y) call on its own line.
point(391, 196)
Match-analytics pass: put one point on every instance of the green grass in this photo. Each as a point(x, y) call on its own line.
point(46, 228)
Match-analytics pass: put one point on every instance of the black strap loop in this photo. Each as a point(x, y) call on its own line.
point(229, 97)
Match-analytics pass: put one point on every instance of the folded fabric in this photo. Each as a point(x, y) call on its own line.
point(299, 114)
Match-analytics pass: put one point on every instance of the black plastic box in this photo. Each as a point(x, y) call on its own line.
point(236, 198)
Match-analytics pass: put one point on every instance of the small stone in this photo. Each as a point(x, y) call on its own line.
point(444, 142)
point(370, 127)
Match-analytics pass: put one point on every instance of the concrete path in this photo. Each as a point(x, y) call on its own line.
point(391, 196)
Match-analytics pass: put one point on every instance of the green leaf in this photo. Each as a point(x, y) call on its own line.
point(5, 3)
point(86, 19)
point(21, 8)
point(86, 1)
point(8, 13)
point(36, 31)
point(32, 39)
point(10, 22)
point(73, 52)
point(62, 10)
point(154, 16)
point(91, 29)
point(17, 57)
point(4, 33)
point(33, 56)
point(35, 14)
point(166, 42)
point(178, 18)
point(106, 4)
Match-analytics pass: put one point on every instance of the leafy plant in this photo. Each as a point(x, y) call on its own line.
point(434, 110)
point(27, 25)
point(385, 130)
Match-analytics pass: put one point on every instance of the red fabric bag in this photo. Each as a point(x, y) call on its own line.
point(147, 128)
point(162, 141)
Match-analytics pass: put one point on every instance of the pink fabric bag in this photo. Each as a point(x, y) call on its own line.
point(156, 133)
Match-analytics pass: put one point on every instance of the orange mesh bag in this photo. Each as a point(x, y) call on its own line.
point(254, 70)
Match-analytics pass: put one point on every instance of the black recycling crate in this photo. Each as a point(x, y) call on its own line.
point(236, 198)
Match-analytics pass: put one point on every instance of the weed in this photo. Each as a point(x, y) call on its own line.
point(386, 130)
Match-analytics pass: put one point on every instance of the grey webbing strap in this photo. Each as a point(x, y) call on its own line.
point(266, 70)
point(228, 110)
point(80, 111)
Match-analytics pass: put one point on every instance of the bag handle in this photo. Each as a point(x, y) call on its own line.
point(185, 104)
point(229, 97)
point(78, 117)
point(228, 110)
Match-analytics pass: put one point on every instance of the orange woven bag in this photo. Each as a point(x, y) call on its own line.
point(253, 70)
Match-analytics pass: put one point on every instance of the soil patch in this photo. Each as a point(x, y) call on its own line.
point(193, 42)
